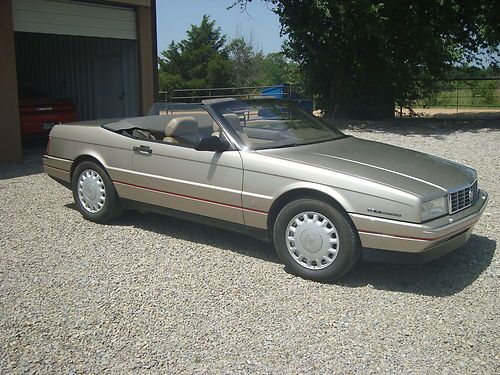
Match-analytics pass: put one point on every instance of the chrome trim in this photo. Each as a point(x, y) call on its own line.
point(49, 157)
point(395, 235)
point(459, 190)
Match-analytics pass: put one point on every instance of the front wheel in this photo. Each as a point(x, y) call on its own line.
point(315, 240)
point(94, 193)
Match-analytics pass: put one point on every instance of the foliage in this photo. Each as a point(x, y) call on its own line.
point(204, 60)
point(361, 56)
point(277, 68)
point(199, 61)
point(467, 72)
point(463, 93)
point(246, 63)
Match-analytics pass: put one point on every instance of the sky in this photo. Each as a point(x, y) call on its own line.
point(260, 25)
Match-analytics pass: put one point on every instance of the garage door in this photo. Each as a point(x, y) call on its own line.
point(74, 18)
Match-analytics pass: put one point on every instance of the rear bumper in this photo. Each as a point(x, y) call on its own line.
point(34, 123)
point(383, 239)
point(57, 168)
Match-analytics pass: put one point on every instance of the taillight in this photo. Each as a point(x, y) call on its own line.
point(47, 108)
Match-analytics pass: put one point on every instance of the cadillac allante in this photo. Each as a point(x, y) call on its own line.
point(266, 168)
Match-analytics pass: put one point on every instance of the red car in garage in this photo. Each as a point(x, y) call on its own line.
point(39, 112)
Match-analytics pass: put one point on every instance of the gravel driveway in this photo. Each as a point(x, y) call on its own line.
point(154, 294)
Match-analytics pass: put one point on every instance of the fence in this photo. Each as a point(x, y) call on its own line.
point(280, 91)
point(461, 97)
point(449, 98)
point(246, 92)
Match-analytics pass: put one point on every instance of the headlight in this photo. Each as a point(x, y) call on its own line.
point(434, 208)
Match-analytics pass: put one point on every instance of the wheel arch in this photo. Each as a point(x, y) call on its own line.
point(319, 192)
point(85, 157)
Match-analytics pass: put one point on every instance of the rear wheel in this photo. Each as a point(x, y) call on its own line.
point(94, 193)
point(315, 240)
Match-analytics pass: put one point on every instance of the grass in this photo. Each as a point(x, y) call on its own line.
point(478, 94)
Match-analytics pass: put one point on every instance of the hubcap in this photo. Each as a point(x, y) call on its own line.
point(312, 240)
point(91, 191)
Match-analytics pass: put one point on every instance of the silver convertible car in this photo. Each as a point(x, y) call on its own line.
point(266, 168)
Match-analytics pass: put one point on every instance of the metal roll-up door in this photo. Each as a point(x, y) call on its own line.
point(74, 18)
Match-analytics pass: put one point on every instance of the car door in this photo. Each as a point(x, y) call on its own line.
point(182, 178)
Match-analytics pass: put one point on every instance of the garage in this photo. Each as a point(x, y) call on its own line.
point(97, 56)
point(83, 52)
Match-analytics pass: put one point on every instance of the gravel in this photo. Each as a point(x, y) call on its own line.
point(154, 294)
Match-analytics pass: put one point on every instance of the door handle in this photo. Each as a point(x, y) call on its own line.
point(143, 150)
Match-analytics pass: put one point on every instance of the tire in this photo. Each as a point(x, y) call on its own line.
point(315, 240)
point(96, 200)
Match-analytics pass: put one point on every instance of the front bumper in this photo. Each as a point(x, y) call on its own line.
point(384, 238)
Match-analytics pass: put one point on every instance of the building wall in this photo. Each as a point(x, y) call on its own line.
point(146, 26)
point(10, 141)
point(65, 67)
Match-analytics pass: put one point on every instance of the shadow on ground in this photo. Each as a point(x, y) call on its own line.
point(189, 231)
point(443, 277)
point(13, 170)
point(33, 150)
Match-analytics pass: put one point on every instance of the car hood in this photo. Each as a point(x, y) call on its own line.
point(413, 171)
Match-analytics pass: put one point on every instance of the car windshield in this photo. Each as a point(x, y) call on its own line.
point(270, 123)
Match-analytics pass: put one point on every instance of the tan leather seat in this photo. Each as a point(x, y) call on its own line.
point(234, 121)
point(182, 130)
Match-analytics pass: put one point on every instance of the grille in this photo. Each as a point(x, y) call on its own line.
point(463, 198)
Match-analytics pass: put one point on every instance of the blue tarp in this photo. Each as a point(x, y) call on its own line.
point(282, 92)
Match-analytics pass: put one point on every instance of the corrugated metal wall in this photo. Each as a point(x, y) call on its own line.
point(65, 67)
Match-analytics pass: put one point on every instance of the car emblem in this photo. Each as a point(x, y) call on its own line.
point(471, 195)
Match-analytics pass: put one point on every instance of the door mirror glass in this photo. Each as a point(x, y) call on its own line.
point(212, 144)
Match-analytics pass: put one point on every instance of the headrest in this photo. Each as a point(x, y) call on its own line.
point(234, 121)
point(181, 126)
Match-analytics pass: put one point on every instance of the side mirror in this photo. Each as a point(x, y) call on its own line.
point(212, 144)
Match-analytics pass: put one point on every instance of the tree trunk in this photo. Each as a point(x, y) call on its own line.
point(348, 100)
point(334, 103)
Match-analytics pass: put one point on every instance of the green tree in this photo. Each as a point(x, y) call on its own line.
point(246, 62)
point(277, 68)
point(199, 61)
point(361, 56)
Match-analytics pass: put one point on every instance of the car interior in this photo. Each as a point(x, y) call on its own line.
point(258, 126)
point(189, 130)
point(179, 129)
